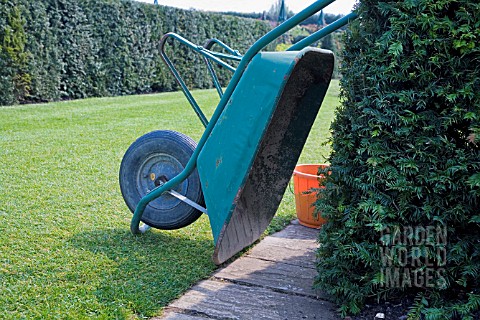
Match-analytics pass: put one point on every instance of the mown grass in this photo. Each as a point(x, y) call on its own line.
point(65, 246)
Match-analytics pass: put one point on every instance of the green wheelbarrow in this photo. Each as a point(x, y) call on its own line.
point(238, 172)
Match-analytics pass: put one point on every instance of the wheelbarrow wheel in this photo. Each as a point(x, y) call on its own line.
point(152, 160)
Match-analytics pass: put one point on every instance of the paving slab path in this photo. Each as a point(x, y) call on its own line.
point(272, 281)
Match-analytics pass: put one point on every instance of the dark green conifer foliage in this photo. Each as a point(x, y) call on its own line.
point(69, 49)
point(14, 79)
point(406, 152)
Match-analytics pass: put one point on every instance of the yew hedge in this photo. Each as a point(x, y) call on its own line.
point(406, 158)
point(68, 49)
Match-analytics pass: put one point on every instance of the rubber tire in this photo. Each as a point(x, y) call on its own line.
point(165, 153)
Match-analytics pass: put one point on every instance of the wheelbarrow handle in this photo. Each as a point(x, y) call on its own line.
point(284, 27)
point(323, 32)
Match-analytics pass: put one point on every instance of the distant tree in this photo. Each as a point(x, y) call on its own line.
point(321, 19)
point(282, 15)
point(274, 11)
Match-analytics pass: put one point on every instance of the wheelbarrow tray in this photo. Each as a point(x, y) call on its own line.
point(247, 161)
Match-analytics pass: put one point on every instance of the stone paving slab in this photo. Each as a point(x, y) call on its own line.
point(272, 281)
point(226, 300)
point(297, 232)
point(290, 251)
point(279, 276)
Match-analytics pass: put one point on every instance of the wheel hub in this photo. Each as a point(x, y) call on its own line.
point(155, 171)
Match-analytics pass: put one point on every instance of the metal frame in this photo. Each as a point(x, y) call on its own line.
point(208, 56)
point(208, 46)
point(225, 96)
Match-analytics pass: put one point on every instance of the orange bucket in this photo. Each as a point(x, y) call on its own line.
point(305, 177)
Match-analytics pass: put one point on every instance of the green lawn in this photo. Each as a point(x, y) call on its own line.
point(65, 246)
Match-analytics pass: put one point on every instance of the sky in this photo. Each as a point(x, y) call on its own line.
point(339, 6)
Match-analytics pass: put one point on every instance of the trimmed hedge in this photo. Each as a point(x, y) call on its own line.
point(406, 158)
point(14, 79)
point(64, 49)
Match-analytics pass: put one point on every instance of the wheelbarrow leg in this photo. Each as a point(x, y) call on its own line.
point(137, 216)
